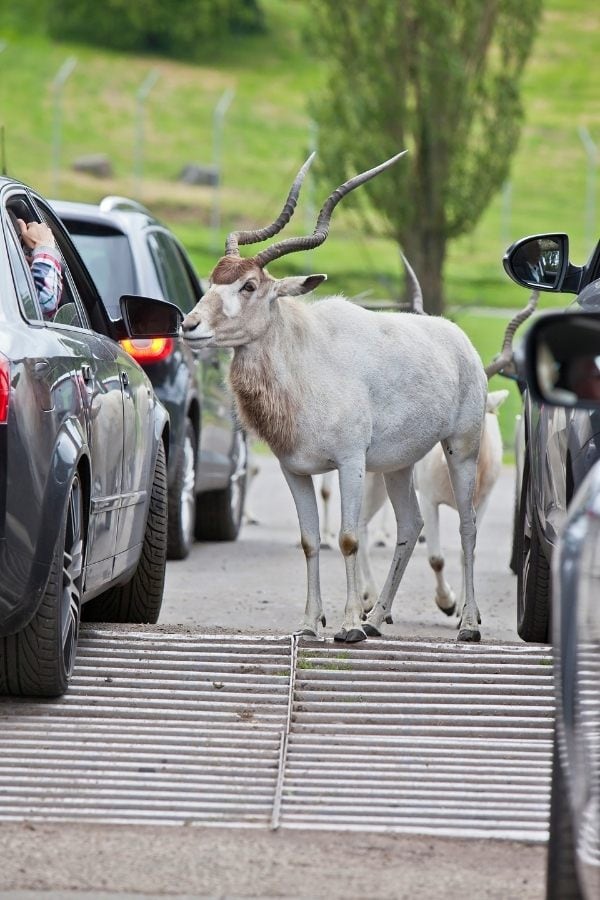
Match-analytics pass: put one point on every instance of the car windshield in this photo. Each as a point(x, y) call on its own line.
point(107, 255)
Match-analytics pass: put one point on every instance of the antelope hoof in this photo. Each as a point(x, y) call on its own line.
point(350, 637)
point(449, 611)
point(370, 630)
point(469, 635)
point(306, 632)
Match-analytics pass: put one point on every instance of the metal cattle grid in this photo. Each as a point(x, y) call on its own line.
point(177, 727)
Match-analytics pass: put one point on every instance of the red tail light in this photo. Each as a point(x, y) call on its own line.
point(149, 350)
point(4, 389)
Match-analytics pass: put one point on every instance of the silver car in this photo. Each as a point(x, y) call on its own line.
point(562, 359)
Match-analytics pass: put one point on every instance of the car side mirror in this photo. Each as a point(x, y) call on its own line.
point(146, 317)
point(562, 359)
point(540, 262)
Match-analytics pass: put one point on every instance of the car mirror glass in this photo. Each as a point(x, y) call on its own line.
point(539, 262)
point(146, 317)
point(563, 358)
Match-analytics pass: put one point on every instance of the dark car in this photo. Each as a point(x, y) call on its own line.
point(83, 448)
point(563, 363)
point(557, 445)
point(128, 251)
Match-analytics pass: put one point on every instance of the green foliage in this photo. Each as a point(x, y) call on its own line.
point(440, 79)
point(267, 134)
point(179, 29)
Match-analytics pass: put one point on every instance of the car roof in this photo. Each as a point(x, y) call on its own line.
point(116, 211)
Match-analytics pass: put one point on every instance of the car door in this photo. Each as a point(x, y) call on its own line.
point(135, 439)
point(93, 359)
point(181, 286)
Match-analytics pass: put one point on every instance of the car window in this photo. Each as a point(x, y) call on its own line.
point(175, 280)
point(70, 310)
point(107, 255)
point(22, 280)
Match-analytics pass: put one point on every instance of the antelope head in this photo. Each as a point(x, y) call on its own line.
point(237, 307)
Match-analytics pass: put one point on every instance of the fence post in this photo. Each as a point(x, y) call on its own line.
point(140, 114)
point(218, 115)
point(505, 227)
point(311, 210)
point(590, 207)
point(57, 90)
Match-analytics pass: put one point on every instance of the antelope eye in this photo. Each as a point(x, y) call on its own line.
point(249, 286)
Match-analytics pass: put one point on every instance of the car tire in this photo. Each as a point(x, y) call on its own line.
point(219, 513)
point(182, 498)
point(533, 572)
point(139, 600)
point(39, 659)
point(514, 550)
point(561, 874)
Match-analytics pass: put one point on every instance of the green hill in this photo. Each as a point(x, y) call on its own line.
point(266, 135)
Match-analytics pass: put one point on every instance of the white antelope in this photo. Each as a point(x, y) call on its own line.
point(432, 479)
point(331, 385)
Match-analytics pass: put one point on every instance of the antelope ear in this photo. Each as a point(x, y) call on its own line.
point(298, 284)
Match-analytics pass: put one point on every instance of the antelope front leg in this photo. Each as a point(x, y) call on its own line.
point(402, 494)
point(352, 477)
point(303, 492)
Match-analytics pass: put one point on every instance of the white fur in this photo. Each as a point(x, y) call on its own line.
point(331, 385)
point(434, 490)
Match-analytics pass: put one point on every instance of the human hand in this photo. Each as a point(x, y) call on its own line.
point(36, 234)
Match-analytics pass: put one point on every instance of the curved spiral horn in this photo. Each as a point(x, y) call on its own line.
point(415, 287)
point(308, 242)
point(505, 357)
point(261, 234)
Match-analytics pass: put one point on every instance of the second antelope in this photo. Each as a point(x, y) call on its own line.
point(331, 385)
point(431, 475)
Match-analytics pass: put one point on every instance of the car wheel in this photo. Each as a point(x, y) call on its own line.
point(562, 882)
point(514, 550)
point(39, 659)
point(219, 513)
point(182, 498)
point(140, 599)
point(533, 572)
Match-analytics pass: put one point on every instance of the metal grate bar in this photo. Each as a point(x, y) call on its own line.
point(168, 727)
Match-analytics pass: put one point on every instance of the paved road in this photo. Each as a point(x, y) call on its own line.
point(259, 582)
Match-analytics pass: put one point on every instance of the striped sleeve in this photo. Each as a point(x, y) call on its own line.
point(46, 269)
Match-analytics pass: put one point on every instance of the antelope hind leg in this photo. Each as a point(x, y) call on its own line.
point(402, 494)
point(462, 468)
point(374, 498)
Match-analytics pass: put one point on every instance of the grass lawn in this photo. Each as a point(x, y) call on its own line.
point(266, 135)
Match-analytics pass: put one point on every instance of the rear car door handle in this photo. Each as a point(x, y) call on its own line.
point(86, 372)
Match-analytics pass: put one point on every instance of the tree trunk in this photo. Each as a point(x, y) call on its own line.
point(426, 254)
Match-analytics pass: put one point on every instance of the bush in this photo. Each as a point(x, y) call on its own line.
point(178, 29)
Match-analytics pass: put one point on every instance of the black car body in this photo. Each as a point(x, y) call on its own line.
point(556, 448)
point(83, 446)
point(563, 362)
point(128, 251)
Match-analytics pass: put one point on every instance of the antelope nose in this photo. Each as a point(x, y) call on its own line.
point(187, 325)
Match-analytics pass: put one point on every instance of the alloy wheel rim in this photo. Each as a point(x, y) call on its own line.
point(526, 555)
point(238, 477)
point(187, 498)
point(72, 572)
